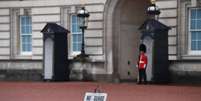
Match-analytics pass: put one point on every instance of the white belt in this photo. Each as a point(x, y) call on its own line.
point(141, 62)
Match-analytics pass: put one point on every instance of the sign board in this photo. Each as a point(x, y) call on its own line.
point(89, 96)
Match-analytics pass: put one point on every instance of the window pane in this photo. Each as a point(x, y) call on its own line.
point(26, 43)
point(25, 25)
point(198, 24)
point(74, 19)
point(75, 38)
point(78, 28)
point(75, 47)
point(29, 21)
point(193, 24)
point(198, 14)
point(29, 29)
point(193, 36)
point(23, 39)
point(199, 45)
point(79, 46)
point(74, 28)
point(195, 27)
point(76, 34)
point(22, 20)
point(23, 29)
point(26, 33)
point(29, 47)
point(193, 45)
point(26, 39)
point(199, 35)
point(23, 47)
point(193, 13)
point(79, 38)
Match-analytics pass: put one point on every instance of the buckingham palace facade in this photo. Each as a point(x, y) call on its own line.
point(111, 40)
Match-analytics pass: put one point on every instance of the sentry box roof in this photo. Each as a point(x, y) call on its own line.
point(51, 28)
point(152, 25)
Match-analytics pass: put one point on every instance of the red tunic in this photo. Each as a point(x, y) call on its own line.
point(142, 61)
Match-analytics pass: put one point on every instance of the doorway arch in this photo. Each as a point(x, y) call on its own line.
point(122, 20)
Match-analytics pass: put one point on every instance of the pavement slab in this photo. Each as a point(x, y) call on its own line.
point(75, 91)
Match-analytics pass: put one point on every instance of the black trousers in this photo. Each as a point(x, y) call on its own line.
point(142, 75)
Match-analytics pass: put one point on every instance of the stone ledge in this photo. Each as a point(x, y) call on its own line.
point(21, 75)
point(188, 77)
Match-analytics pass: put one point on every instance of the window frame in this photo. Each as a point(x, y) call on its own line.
point(20, 37)
point(190, 51)
point(74, 53)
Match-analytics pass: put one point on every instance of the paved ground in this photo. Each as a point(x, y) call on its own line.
point(74, 91)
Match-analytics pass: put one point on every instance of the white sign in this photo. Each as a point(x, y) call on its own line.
point(89, 96)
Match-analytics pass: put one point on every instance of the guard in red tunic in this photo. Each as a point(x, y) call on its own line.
point(142, 65)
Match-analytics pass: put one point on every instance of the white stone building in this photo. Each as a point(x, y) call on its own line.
point(112, 37)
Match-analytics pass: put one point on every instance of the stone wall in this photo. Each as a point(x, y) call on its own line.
point(21, 71)
point(88, 71)
point(4, 33)
point(169, 17)
point(185, 71)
